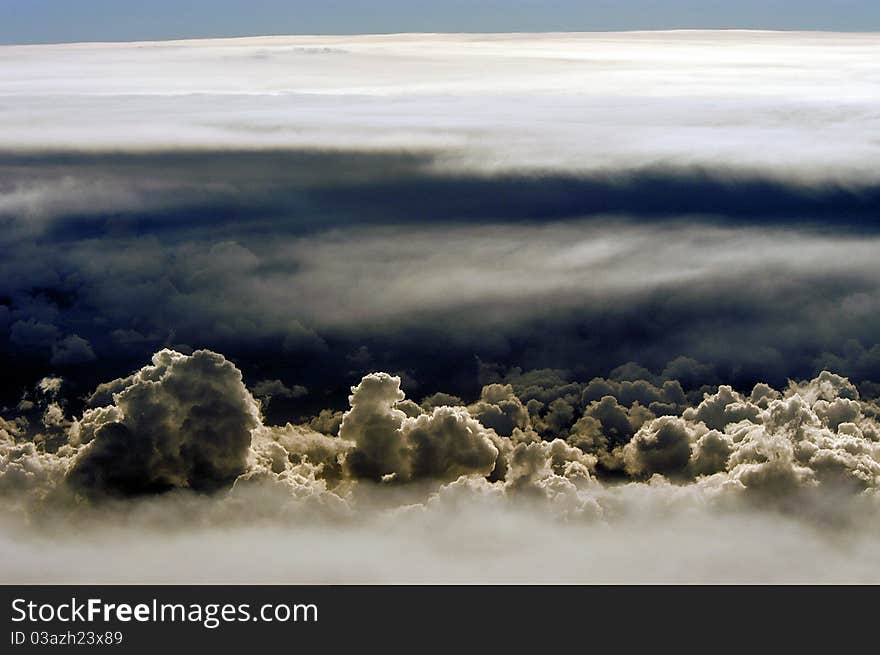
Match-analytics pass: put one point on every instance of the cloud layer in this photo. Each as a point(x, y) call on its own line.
point(638, 457)
point(339, 204)
point(489, 307)
point(586, 101)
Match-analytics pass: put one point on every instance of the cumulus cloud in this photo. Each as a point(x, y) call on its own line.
point(710, 452)
point(266, 390)
point(184, 421)
point(500, 409)
point(389, 444)
point(25, 469)
point(664, 446)
point(186, 432)
point(32, 333)
point(299, 444)
point(72, 350)
point(721, 408)
point(188, 421)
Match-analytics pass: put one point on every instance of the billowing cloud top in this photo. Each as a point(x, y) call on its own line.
point(188, 422)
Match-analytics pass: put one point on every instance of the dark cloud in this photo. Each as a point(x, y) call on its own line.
point(79, 195)
point(664, 447)
point(268, 389)
point(32, 333)
point(72, 350)
point(442, 445)
point(185, 421)
point(499, 408)
point(336, 262)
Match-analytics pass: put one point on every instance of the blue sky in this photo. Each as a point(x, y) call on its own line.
point(52, 21)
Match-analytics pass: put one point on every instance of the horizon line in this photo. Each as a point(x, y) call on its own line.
point(423, 33)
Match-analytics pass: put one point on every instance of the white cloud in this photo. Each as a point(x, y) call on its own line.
point(789, 103)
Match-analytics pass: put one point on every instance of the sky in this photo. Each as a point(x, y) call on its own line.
point(56, 21)
point(441, 307)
